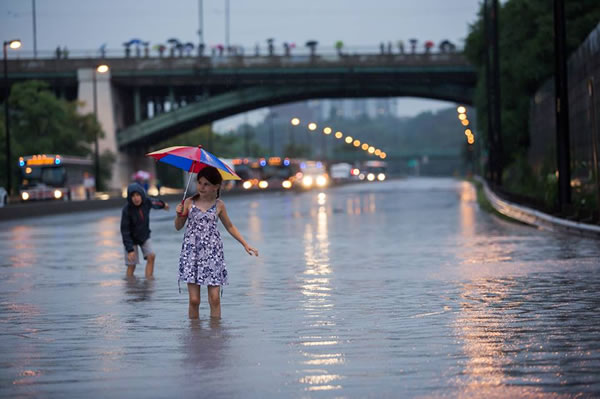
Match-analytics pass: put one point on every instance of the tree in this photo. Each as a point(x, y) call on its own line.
point(526, 60)
point(42, 123)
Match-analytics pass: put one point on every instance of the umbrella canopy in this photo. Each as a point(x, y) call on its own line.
point(193, 159)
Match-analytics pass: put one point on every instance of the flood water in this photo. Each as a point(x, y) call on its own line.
point(395, 289)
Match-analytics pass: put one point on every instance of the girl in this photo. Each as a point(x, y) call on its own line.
point(201, 261)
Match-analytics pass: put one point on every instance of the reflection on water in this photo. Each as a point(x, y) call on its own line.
point(318, 345)
point(522, 333)
point(138, 289)
point(203, 343)
point(392, 289)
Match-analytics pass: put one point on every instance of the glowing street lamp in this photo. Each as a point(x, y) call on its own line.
point(339, 135)
point(461, 110)
point(348, 139)
point(13, 44)
point(327, 130)
point(312, 126)
point(295, 121)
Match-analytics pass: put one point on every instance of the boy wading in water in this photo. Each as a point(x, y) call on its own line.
point(135, 228)
point(201, 261)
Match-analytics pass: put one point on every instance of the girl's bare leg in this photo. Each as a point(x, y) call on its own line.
point(214, 301)
point(194, 291)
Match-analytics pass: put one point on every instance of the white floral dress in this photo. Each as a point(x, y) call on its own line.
point(201, 261)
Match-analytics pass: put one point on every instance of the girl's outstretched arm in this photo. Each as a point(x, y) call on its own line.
point(231, 229)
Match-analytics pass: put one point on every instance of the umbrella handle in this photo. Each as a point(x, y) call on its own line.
point(181, 214)
point(186, 186)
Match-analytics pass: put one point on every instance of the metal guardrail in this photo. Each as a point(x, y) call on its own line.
point(536, 218)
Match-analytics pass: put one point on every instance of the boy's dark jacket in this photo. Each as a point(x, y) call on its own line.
point(135, 220)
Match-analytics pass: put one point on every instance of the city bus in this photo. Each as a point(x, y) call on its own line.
point(56, 177)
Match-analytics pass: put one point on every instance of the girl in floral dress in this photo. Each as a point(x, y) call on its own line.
point(201, 261)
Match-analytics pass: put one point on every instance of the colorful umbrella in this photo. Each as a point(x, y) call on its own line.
point(193, 160)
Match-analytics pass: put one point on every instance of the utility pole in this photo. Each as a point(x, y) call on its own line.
point(246, 135)
point(562, 107)
point(226, 25)
point(272, 134)
point(489, 101)
point(498, 148)
point(34, 30)
point(200, 22)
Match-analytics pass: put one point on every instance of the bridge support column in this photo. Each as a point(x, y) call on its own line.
point(137, 105)
point(106, 117)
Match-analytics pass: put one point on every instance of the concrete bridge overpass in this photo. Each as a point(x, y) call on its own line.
point(142, 101)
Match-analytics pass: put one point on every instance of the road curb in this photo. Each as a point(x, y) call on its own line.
point(536, 218)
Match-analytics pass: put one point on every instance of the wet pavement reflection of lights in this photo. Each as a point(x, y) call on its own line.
point(316, 288)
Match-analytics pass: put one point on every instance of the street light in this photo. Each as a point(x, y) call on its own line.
point(13, 44)
point(102, 68)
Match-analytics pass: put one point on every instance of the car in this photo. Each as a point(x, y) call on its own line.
point(312, 174)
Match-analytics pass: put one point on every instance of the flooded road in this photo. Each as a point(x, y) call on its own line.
point(396, 289)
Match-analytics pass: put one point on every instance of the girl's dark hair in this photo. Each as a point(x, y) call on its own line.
point(212, 175)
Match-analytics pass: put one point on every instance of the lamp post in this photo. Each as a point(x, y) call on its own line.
point(272, 115)
point(13, 44)
point(103, 68)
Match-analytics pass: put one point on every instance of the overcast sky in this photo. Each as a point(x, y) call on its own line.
point(87, 24)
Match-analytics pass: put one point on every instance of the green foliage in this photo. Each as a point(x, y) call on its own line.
point(42, 123)
point(428, 132)
point(222, 145)
point(526, 59)
point(293, 150)
point(526, 62)
point(107, 158)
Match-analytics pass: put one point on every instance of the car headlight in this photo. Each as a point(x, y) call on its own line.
point(263, 184)
point(25, 196)
point(370, 177)
point(286, 184)
point(307, 181)
point(57, 194)
point(247, 184)
point(321, 181)
point(381, 177)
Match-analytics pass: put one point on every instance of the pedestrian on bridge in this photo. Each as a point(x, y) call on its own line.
point(135, 228)
point(201, 261)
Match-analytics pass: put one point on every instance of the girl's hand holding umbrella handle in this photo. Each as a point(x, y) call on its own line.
point(179, 210)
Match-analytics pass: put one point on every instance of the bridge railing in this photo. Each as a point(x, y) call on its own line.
point(31, 65)
point(235, 52)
